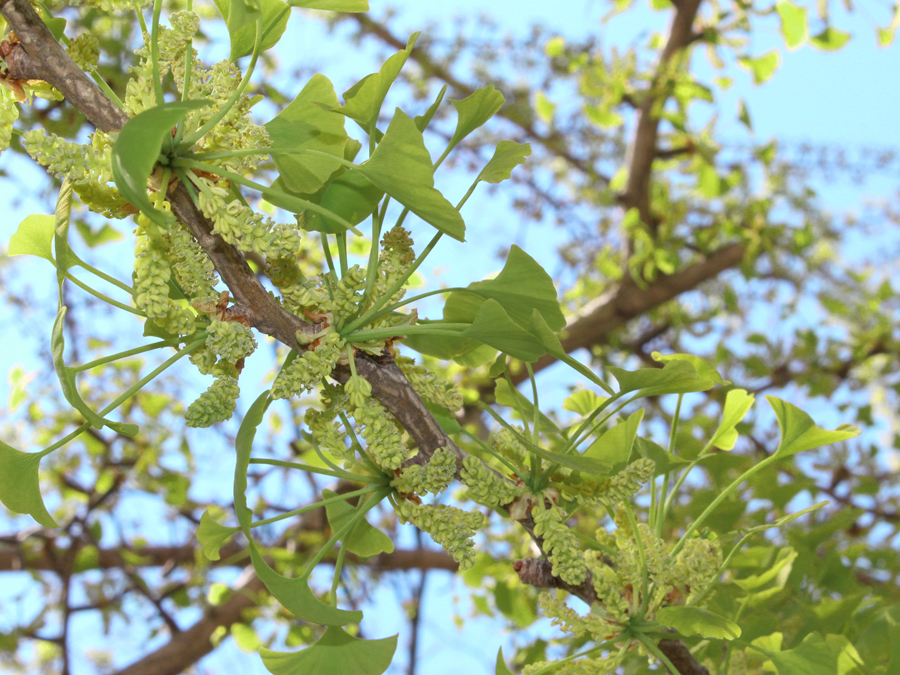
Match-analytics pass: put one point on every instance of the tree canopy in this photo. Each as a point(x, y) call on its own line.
point(239, 402)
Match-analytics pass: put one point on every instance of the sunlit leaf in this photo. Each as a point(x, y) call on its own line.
point(521, 288)
point(583, 402)
point(831, 655)
point(19, 488)
point(333, 5)
point(138, 147)
point(102, 235)
point(830, 39)
point(212, 535)
point(422, 121)
point(335, 653)
point(677, 377)
point(799, 432)
point(614, 446)
point(695, 621)
point(763, 67)
point(241, 23)
point(493, 326)
point(702, 367)
point(507, 157)
point(794, 23)
point(475, 110)
point(364, 540)
point(303, 125)
point(501, 668)
point(402, 167)
point(351, 196)
point(34, 237)
point(737, 403)
point(777, 573)
point(362, 101)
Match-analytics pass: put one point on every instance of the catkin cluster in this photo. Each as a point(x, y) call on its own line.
point(308, 369)
point(450, 527)
point(433, 477)
point(560, 544)
point(485, 486)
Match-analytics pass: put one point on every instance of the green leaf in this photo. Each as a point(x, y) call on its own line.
point(335, 653)
point(799, 432)
point(303, 125)
point(830, 39)
point(603, 117)
point(245, 638)
point(102, 235)
point(362, 102)
point(401, 166)
point(702, 367)
point(778, 572)
point(831, 655)
point(363, 540)
point(240, 20)
point(493, 326)
point(515, 399)
point(293, 594)
point(614, 446)
point(56, 24)
point(521, 288)
point(473, 111)
point(70, 389)
point(573, 461)
point(138, 147)
point(744, 114)
point(422, 121)
point(583, 402)
point(19, 488)
point(886, 35)
point(446, 347)
point(677, 377)
point(737, 403)
point(507, 157)
point(664, 460)
point(501, 668)
point(794, 23)
point(763, 67)
point(695, 621)
point(333, 5)
point(784, 520)
point(212, 535)
point(351, 196)
point(34, 237)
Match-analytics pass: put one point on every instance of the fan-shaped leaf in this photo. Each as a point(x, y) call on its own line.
point(364, 540)
point(20, 491)
point(335, 653)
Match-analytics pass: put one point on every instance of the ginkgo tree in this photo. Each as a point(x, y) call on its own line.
point(246, 230)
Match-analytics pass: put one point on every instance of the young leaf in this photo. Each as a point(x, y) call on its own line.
point(401, 166)
point(293, 594)
point(34, 237)
point(664, 460)
point(303, 125)
point(493, 326)
point(778, 572)
point(677, 377)
point(98, 237)
point(702, 367)
point(19, 488)
point(830, 39)
point(335, 653)
point(241, 23)
point(507, 157)
point(521, 288)
point(583, 402)
point(363, 540)
point(351, 196)
point(695, 621)
point(138, 147)
point(614, 446)
point(794, 23)
point(737, 403)
point(817, 656)
point(501, 668)
point(763, 67)
point(799, 432)
point(212, 535)
point(422, 121)
point(362, 101)
point(475, 110)
point(333, 5)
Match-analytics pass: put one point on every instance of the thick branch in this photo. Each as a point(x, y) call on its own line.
point(643, 150)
